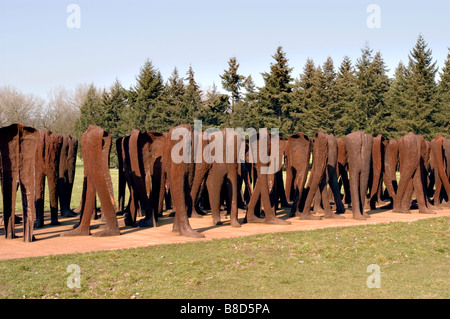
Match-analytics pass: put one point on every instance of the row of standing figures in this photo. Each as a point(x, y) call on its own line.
point(317, 169)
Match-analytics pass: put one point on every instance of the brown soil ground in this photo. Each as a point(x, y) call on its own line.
point(49, 242)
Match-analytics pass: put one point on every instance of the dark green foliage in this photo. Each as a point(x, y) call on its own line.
point(380, 112)
point(315, 99)
point(193, 98)
point(244, 111)
point(142, 113)
point(353, 97)
point(420, 98)
point(396, 100)
point(442, 116)
point(232, 81)
point(215, 110)
point(302, 99)
point(171, 107)
point(322, 110)
point(114, 103)
point(372, 84)
point(275, 96)
point(346, 91)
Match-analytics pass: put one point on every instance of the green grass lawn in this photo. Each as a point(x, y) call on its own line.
point(414, 260)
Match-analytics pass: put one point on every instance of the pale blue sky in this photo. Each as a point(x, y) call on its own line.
point(39, 52)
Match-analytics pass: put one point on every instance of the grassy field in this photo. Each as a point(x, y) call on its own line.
point(414, 261)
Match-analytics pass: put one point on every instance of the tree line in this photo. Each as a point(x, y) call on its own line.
point(339, 99)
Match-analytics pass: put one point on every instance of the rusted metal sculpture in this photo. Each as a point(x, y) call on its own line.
point(18, 145)
point(67, 164)
point(359, 152)
point(47, 168)
point(95, 147)
point(412, 151)
point(298, 152)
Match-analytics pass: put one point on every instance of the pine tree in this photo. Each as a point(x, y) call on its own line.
point(346, 91)
point(325, 98)
point(244, 110)
point(379, 111)
point(142, 112)
point(275, 96)
point(232, 81)
point(171, 108)
point(193, 97)
point(113, 104)
point(302, 99)
point(421, 89)
point(442, 117)
point(400, 120)
point(317, 106)
point(214, 111)
point(372, 83)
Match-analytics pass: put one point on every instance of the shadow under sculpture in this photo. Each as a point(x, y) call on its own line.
point(18, 155)
point(96, 147)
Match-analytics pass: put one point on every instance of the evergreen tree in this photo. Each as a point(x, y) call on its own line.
point(442, 117)
point(144, 96)
point(275, 96)
point(232, 81)
point(396, 100)
point(172, 110)
point(214, 112)
point(346, 91)
point(249, 87)
point(302, 99)
point(379, 113)
point(372, 83)
point(244, 110)
point(193, 98)
point(421, 89)
point(317, 106)
point(324, 98)
point(114, 103)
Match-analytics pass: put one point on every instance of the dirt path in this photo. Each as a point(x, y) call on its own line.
point(49, 242)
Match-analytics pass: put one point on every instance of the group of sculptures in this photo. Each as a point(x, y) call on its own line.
point(363, 166)
point(29, 157)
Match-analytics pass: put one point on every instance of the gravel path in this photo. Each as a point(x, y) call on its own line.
point(49, 242)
